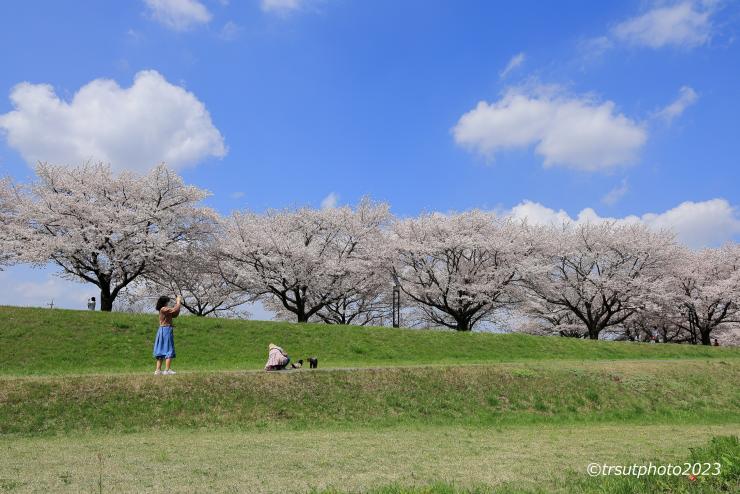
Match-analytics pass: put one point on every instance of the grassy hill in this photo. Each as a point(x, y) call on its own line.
point(480, 395)
point(43, 342)
point(389, 410)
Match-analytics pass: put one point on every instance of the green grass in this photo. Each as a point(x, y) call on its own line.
point(523, 393)
point(44, 342)
point(427, 460)
point(724, 450)
point(389, 411)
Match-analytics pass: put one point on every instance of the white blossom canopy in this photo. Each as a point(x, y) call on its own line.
point(303, 259)
point(104, 228)
point(191, 271)
point(457, 268)
point(597, 272)
point(8, 215)
point(707, 287)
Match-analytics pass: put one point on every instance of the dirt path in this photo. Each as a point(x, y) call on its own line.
point(515, 363)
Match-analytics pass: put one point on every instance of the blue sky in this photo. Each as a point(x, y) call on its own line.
point(608, 109)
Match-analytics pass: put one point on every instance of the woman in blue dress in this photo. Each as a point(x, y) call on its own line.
point(164, 343)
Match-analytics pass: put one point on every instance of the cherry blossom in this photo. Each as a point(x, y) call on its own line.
point(303, 260)
point(457, 268)
point(104, 228)
point(595, 275)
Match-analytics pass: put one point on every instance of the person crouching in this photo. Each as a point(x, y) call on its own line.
point(277, 359)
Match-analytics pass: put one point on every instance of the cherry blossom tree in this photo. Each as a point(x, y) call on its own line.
point(148, 235)
point(365, 290)
point(657, 316)
point(8, 215)
point(543, 318)
point(707, 282)
point(696, 300)
point(597, 272)
point(104, 228)
point(191, 271)
point(370, 306)
point(457, 268)
point(303, 259)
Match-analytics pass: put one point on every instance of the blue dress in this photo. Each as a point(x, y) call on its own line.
point(164, 343)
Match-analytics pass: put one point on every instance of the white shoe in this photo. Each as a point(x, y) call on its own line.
point(157, 372)
point(169, 372)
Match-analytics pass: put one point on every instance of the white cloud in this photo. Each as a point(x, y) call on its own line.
point(281, 6)
point(179, 15)
point(237, 195)
point(685, 24)
point(134, 36)
point(230, 31)
point(330, 201)
point(574, 132)
point(135, 128)
point(614, 195)
point(687, 97)
point(594, 48)
point(697, 224)
point(538, 214)
point(515, 62)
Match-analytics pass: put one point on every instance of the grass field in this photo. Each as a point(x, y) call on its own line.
point(528, 457)
point(389, 411)
point(45, 342)
point(481, 395)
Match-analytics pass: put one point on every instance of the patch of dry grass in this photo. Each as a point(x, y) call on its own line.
point(353, 461)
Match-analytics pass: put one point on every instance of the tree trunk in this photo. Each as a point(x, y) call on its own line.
point(593, 334)
point(463, 324)
point(300, 310)
point(106, 300)
point(300, 306)
point(706, 337)
point(301, 316)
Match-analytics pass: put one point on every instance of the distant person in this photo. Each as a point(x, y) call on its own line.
point(164, 343)
point(716, 343)
point(277, 359)
point(91, 303)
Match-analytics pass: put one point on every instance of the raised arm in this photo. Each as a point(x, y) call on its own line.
point(173, 311)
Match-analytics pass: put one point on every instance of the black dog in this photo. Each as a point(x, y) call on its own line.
point(297, 365)
point(313, 362)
